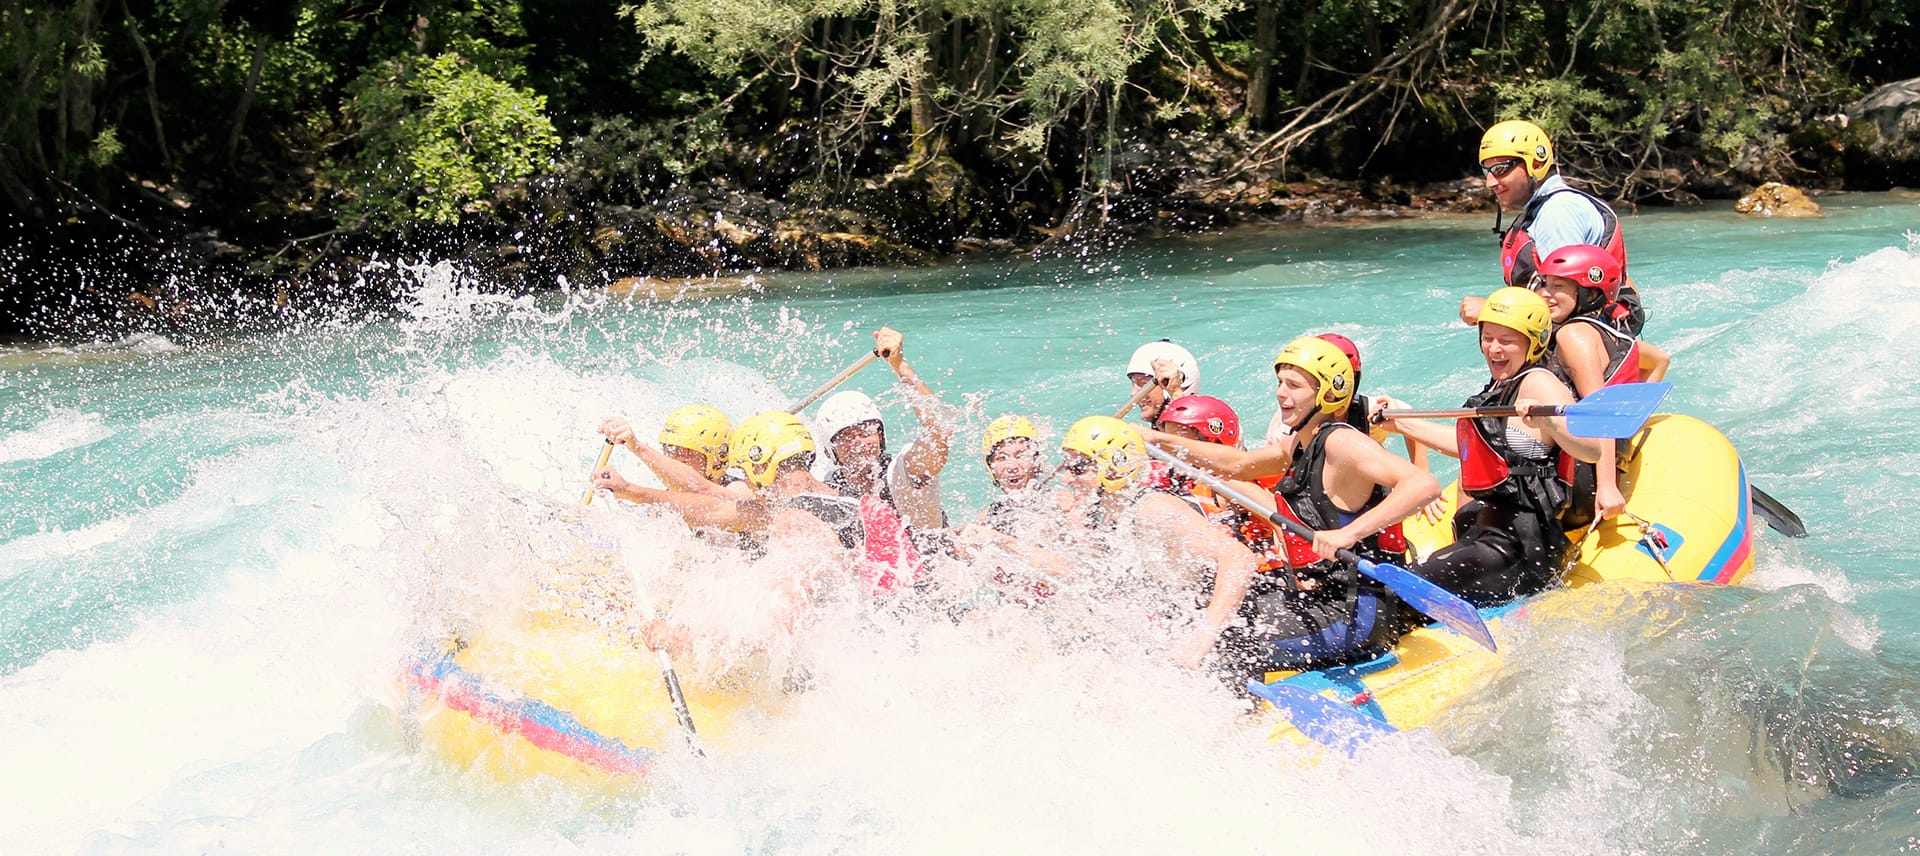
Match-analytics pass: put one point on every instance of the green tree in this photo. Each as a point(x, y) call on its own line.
point(987, 80)
point(435, 137)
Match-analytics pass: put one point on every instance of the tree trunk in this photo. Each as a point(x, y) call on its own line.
point(260, 44)
point(1266, 36)
point(78, 110)
point(153, 90)
point(928, 140)
point(984, 67)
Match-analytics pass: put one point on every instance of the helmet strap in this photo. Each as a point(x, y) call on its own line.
point(1302, 424)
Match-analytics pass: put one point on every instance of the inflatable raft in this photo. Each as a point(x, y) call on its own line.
point(1688, 520)
point(563, 697)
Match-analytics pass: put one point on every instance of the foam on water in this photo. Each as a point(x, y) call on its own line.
point(60, 432)
point(214, 667)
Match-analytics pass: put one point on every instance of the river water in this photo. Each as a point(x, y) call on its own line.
point(214, 560)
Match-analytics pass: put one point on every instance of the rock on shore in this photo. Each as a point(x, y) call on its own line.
point(1774, 199)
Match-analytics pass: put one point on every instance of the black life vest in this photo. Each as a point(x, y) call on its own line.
point(1492, 472)
point(1302, 497)
point(1519, 263)
point(1623, 352)
point(840, 513)
point(1623, 366)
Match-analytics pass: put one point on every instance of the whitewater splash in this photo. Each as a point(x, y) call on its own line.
point(60, 432)
point(205, 654)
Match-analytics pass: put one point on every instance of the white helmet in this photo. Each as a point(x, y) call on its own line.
point(844, 410)
point(1165, 349)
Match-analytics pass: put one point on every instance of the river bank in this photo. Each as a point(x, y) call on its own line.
point(82, 281)
point(113, 276)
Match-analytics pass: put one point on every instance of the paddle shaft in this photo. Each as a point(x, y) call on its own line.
point(1138, 395)
point(606, 454)
point(1614, 412)
point(1464, 412)
point(1220, 487)
point(838, 379)
point(1420, 593)
point(667, 674)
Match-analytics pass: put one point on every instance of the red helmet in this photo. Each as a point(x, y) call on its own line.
point(1346, 346)
point(1586, 264)
point(1208, 415)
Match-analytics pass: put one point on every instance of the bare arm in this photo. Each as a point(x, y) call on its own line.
point(672, 473)
point(1196, 540)
point(983, 543)
point(698, 509)
point(1359, 461)
point(927, 455)
point(1226, 460)
point(1438, 436)
point(1543, 388)
point(1654, 361)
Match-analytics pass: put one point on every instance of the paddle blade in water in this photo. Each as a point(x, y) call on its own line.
point(1328, 722)
point(1779, 517)
point(1438, 603)
point(1615, 411)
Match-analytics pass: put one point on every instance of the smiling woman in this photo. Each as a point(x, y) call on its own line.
point(1513, 546)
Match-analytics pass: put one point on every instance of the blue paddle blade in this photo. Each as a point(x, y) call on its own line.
point(1615, 411)
point(1439, 604)
point(1328, 722)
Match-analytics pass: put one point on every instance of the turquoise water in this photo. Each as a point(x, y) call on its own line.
point(212, 562)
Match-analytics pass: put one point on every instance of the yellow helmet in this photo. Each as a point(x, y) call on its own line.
point(702, 429)
point(1516, 138)
point(1006, 428)
point(1113, 444)
point(1520, 309)
point(1326, 364)
point(762, 443)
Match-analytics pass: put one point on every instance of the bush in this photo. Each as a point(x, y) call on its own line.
point(435, 139)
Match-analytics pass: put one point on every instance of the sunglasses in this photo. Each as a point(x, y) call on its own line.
point(1500, 169)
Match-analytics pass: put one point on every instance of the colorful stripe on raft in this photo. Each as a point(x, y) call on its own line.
point(540, 724)
point(1736, 552)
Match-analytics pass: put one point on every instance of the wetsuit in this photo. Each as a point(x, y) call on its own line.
point(1344, 617)
point(1508, 542)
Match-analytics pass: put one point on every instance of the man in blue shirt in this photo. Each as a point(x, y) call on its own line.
point(1516, 159)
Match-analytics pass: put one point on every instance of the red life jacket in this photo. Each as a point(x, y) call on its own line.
point(889, 551)
point(1490, 470)
point(1519, 262)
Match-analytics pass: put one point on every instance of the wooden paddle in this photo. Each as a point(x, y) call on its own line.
point(1138, 395)
point(838, 379)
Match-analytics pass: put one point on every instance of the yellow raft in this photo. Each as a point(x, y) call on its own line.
point(563, 697)
point(1688, 519)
